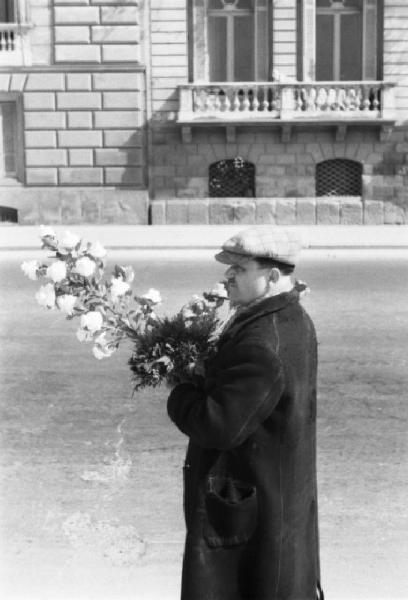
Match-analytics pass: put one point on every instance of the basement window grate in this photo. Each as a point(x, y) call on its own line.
point(9, 215)
point(232, 177)
point(339, 177)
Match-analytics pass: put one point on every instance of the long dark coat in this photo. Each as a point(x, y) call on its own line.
point(250, 473)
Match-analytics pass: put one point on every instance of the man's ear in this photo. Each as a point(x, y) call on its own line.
point(274, 275)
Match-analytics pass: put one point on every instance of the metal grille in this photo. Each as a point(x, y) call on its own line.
point(339, 177)
point(233, 177)
point(8, 214)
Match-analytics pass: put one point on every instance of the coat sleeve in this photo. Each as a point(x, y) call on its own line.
point(247, 389)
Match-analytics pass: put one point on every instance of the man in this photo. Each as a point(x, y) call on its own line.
point(250, 472)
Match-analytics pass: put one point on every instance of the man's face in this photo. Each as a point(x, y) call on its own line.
point(246, 282)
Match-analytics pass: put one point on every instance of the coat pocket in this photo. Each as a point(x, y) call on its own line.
point(231, 511)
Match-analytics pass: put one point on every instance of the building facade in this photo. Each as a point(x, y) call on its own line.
point(204, 111)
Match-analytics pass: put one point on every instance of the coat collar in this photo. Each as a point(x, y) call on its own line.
point(259, 309)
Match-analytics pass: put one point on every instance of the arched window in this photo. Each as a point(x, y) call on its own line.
point(9, 215)
point(339, 177)
point(234, 177)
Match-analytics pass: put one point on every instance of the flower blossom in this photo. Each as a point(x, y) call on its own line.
point(118, 288)
point(85, 266)
point(152, 296)
point(100, 352)
point(92, 321)
point(47, 231)
point(46, 295)
point(57, 271)
point(97, 250)
point(69, 240)
point(29, 268)
point(83, 335)
point(129, 274)
point(66, 303)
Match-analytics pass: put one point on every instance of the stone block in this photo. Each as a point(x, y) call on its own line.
point(265, 211)
point(373, 212)
point(80, 176)
point(80, 157)
point(177, 212)
point(119, 14)
point(44, 120)
point(285, 159)
point(244, 211)
point(45, 157)
point(77, 53)
point(306, 211)
point(116, 157)
point(79, 100)
point(197, 211)
point(285, 211)
point(79, 139)
point(40, 139)
point(17, 83)
point(221, 211)
point(327, 211)
point(121, 100)
point(79, 81)
point(115, 33)
point(45, 176)
point(71, 34)
point(122, 138)
point(80, 120)
point(39, 101)
point(158, 212)
point(70, 203)
point(45, 81)
point(351, 211)
point(117, 81)
point(124, 176)
point(5, 79)
point(78, 15)
point(393, 214)
point(120, 52)
point(90, 209)
point(115, 119)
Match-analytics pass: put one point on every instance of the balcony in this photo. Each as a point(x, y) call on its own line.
point(14, 48)
point(285, 105)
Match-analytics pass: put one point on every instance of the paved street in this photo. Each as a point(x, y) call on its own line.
point(91, 492)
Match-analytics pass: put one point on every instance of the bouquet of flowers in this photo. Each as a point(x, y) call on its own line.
point(165, 349)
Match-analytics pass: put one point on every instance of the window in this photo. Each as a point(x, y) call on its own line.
point(233, 177)
point(14, 42)
point(339, 39)
point(339, 177)
point(8, 141)
point(230, 40)
point(7, 11)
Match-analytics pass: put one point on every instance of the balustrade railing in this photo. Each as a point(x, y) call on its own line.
point(286, 101)
point(14, 47)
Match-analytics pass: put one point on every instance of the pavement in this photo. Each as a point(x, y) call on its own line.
point(17, 237)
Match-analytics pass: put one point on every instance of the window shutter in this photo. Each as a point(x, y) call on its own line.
point(309, 40)
point(370, 40)
point(261, 24)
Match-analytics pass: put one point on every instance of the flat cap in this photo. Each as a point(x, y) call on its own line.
point(274, 243)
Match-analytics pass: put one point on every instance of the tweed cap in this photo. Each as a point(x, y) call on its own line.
point(275, 243)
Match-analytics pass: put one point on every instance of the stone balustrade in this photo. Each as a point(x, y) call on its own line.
point(288, 101)
point(14, 49)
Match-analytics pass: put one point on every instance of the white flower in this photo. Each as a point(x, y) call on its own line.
point(46, 295)
point(66, 303)
point(219, 290)
point(47, 231)
point(85, 266)
point(153, 296)
point(29, 268)
point(129, 274)
point(97, 250)
point(57, 271)
point(92, 320)
point(69, 240)
point(118, 288)
point(83, 335)
point(100, 352)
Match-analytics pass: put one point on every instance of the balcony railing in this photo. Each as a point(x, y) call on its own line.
point(13, 44)
point(250, 102)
